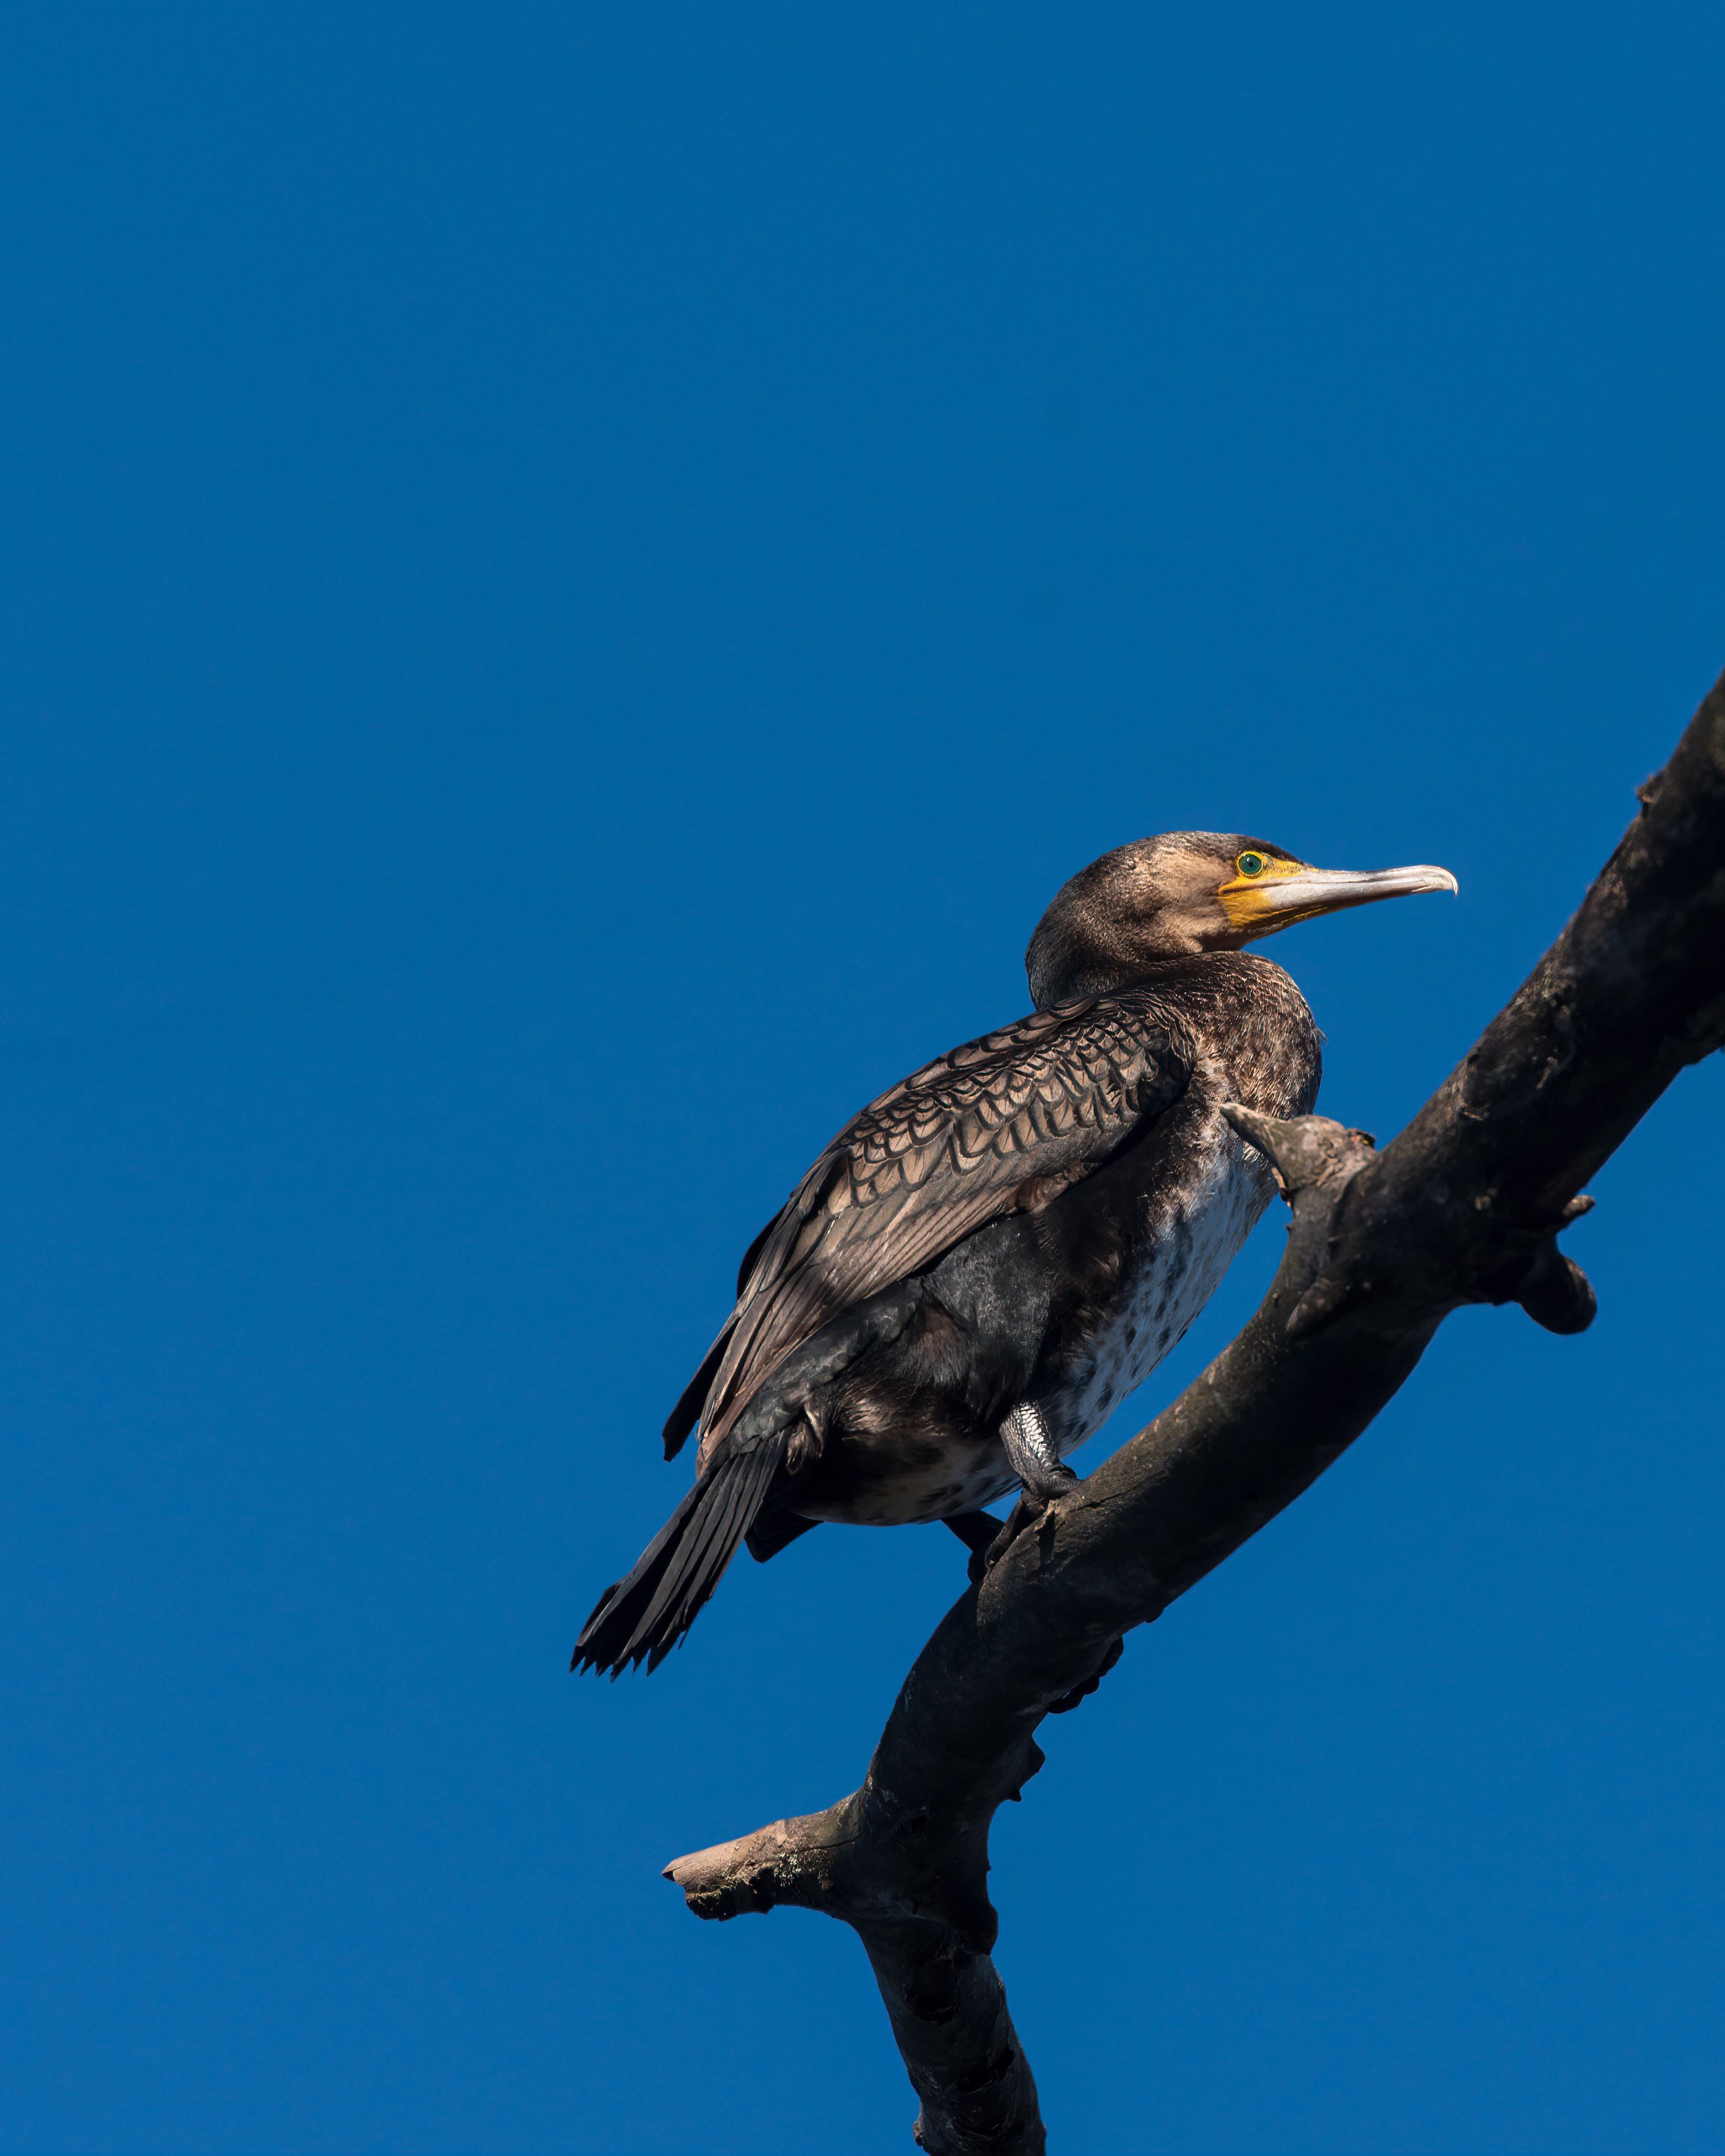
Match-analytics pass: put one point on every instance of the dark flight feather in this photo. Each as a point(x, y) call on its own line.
point(684, 1416)
point(644, 1615)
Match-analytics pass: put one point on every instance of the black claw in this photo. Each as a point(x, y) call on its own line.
point(1031, 1508)
point(1022, 1514)
point(1055, 1482)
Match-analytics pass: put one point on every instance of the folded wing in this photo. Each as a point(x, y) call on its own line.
point(1003, 1123)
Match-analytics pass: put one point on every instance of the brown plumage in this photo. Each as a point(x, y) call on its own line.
point(990, 1254)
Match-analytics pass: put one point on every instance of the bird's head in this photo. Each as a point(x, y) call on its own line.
point(1185, 892)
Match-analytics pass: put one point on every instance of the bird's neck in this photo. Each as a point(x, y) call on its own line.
point(1079, 951)
point(1065, 972)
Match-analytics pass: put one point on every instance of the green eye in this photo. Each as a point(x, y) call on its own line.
point(1251, 864)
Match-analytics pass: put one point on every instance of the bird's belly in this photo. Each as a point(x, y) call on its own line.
point(877, 1482)
point(903, 1441)
point(1187, 1239)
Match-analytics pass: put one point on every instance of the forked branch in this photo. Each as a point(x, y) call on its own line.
point(1463, 1207)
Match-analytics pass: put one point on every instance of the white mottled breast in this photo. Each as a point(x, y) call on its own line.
point(1190, 1237)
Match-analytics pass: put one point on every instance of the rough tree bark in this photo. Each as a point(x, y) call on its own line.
point(1463, 1207)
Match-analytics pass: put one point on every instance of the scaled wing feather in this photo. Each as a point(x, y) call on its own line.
point(947, 1149)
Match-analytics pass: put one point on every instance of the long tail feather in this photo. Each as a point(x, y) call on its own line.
point(644, 1615)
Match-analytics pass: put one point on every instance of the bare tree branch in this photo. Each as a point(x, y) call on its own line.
point(1463, 1207)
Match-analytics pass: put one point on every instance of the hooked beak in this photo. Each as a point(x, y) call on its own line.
point(1303, 894)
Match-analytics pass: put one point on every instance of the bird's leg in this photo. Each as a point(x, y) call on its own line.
point(1041, 1471)
point(977, 1531)
point(1030, 1454)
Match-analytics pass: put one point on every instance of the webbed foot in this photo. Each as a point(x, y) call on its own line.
point(1023, 1514)
point(1028, 1513)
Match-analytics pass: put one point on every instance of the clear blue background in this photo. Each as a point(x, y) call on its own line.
point(574, 578)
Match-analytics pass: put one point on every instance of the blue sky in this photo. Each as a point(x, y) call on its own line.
point(573, 580)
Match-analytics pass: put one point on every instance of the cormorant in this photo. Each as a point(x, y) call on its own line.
point(989, 1258)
